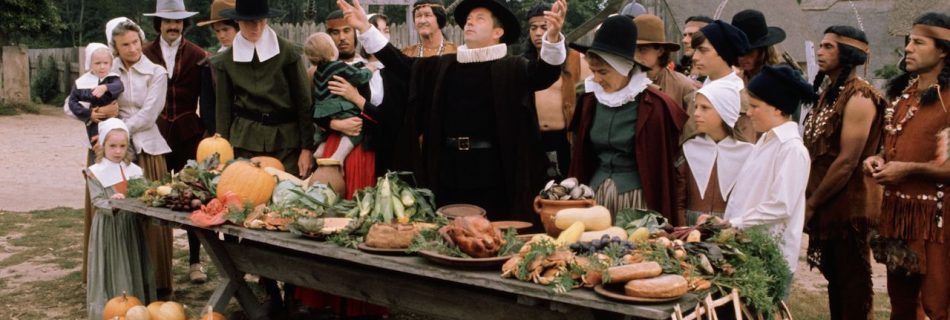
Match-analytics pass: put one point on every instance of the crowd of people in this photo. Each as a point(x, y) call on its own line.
point(717, 134)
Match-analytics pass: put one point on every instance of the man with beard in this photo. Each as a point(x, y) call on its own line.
point(179, 122)
point(429, 19)
point(843, 128)
point(914, 170)
point(344, 37)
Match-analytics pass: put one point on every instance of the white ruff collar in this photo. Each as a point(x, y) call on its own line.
point(110, 173)
point(89, 80)
point(266, 47)
point(637, 84)
point(702, 153)
point(490, 53)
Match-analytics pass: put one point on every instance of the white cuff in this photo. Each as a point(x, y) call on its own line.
point(553, 53)
point(372, 40)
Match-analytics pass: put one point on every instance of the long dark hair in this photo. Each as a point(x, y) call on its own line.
point(848, 58)
point(896, 86)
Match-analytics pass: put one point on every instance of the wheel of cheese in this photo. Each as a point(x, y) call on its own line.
point(664, 286)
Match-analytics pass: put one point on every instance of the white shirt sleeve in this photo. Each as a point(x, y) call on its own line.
point(785, 192)
point(553, 53)
point(153, 105)
point(372, 40)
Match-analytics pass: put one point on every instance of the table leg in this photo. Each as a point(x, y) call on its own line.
point(234, 284)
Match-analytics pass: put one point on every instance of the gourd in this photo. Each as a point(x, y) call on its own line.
point(171, 311)
point(612, 232)
point(208, 146)
point(209, 314)
point(595, 218)
point(118, 306)
point(268, 162)
point(153, 309)
point(137, 313)
point(571, 234)
point(248, 181)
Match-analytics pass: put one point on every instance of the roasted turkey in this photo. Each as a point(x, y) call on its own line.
point(473, 235)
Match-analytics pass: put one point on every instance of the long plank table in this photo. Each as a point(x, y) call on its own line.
point(405, 282)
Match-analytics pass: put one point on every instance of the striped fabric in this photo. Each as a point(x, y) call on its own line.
point(606, 195)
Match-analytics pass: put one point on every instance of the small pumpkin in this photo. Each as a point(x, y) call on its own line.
point(268, 162)
point(209, 314)
point(215, 144)
point(171, 311)
point(153, 309)
point(118, 306)
point(248, 181)
point(137, 313)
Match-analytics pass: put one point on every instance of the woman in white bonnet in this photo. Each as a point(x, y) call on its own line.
point(139, 106)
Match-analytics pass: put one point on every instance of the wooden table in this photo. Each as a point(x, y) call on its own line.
point(408, 283)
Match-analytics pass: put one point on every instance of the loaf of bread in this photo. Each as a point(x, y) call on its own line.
point(625, 273)
point(667, 286)
point(391, 236)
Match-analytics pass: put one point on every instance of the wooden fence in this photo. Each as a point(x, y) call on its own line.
point(66, 64)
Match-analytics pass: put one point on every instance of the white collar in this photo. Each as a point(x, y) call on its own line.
point(784, 132)
point(489, 53)
point(110, 173)
point(266, 47)
point(637, 84)
point(222, 48)
point(143, 66)
point(165, 45)
point(728, 156)
point(732, 78)
point(89, 80)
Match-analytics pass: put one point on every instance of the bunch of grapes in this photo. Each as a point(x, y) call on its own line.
point(185, 198)
point(598, 245)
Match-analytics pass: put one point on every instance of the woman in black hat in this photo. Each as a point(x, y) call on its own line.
point(762, 41)
point(625, 131)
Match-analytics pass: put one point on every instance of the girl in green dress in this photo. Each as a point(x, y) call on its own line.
point(118, 258)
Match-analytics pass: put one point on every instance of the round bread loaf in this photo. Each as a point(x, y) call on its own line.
point(662, 287)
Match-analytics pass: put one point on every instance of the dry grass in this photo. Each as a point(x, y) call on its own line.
point(11, 108)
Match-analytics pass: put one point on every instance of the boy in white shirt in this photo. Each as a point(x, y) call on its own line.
point(771, 187)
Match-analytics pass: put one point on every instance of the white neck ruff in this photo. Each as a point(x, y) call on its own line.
point(266, 47)
point(486, 54)
point(110, 173)
point(637, 84)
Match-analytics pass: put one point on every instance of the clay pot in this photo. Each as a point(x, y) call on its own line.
point(548, 208)
point(330, 172)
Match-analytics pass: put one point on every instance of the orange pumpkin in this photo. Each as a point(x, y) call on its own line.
point(171, 311)
point(216, 144)
point(153, 309)
point(137, 313)
point(248, 181)
point(270, 162)
point(209, 314)
point(118, 306)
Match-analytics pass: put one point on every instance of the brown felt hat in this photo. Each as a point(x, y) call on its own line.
point(216, 7)
point(650, 30)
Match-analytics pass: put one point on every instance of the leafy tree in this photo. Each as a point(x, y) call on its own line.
point(21, 18)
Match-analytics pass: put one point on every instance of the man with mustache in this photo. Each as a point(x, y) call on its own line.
point(429, 19)
point(179, 122)
point(344, 37)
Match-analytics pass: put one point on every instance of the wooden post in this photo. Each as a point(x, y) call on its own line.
point(15, 74)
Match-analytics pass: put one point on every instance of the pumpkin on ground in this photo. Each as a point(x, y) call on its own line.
point(153, 309)
point(210, 314)
point(137, 313)
point(216, 144)
point(118, 306)
point(248, 181)
point(171, 311)
point(268, 162)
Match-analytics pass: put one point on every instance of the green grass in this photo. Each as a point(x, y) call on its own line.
point(10, 108)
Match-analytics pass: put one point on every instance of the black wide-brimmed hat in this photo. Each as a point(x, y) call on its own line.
point(251, 10)
point(782, 87)
point(499, 9)
point(617, 36)
point(730, 42)
point(760, 34)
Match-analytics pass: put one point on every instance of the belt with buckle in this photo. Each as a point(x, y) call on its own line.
point(467, 143)
point(265, 118)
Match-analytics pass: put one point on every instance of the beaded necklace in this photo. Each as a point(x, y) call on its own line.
point(889, 112)
point(439, 53)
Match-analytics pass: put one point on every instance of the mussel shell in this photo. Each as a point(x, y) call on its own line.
point(588, 192)
point(559, 191)
point(569, 183)
point(577, 193)
point(548, 186)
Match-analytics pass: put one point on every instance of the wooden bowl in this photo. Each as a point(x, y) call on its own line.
point(453, 211)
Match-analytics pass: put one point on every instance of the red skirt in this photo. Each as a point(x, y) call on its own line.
point(358, 172)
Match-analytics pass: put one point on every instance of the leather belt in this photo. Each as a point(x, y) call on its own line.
point(467, 143)
point(265, 118)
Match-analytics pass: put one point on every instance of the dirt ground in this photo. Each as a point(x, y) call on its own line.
point(41, 162)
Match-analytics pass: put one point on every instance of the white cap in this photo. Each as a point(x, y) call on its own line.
point(725, 98)
point(115, 22)
point(90, 49)
point(110, 124)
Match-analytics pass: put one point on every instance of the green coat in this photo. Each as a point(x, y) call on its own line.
point(276, 86)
